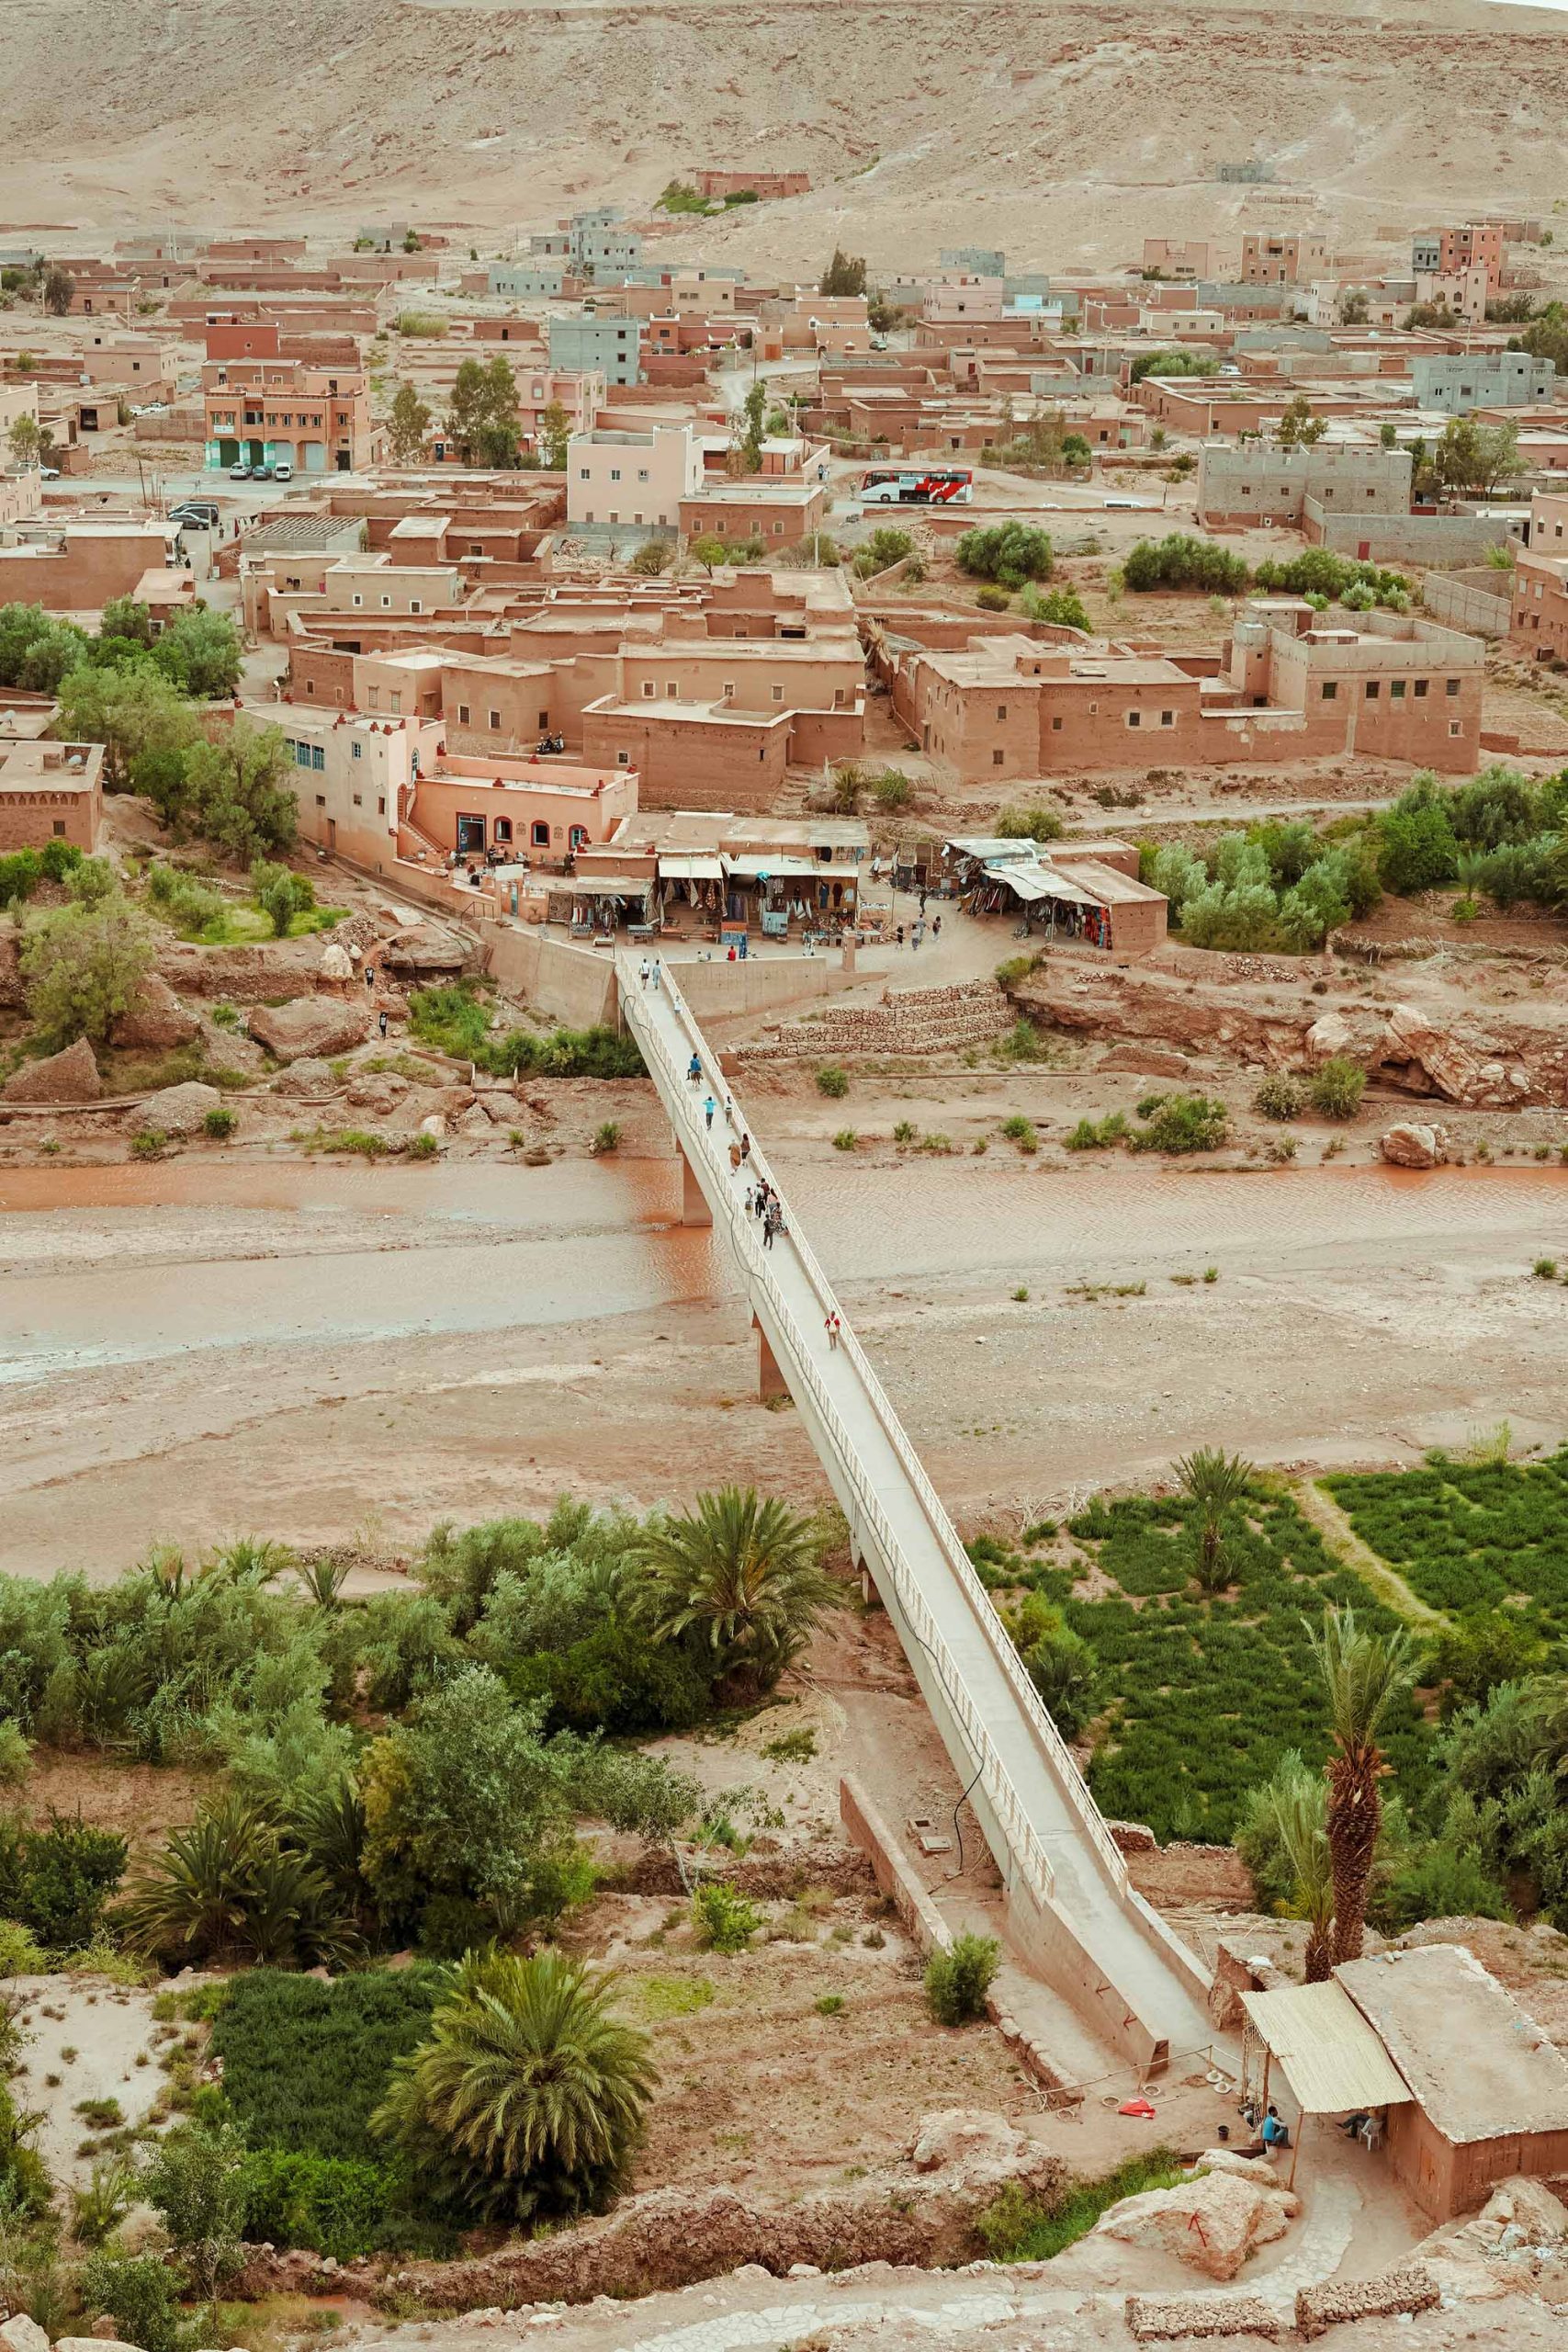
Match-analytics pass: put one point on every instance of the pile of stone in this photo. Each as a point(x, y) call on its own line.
point(1410, 2288)
point(1180, 2319)
point(1214, 2220)
point(922, 1021)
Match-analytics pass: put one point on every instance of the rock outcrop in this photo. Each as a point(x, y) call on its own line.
point(1330, 1034)
point(180, 1110)
point(155, 1017)
point(1414, 1144)
point(20, 2333)
point(977, 2147)
point(70, 1077)
point(309, 1026)
point(1415, 1053)
point(1213, 2220)
point(424, 948)
point(307, 1076)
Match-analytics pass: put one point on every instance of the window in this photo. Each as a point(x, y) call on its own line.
point(394, 704)
point(318, 756)
point(543, 718)
point(648, 688)
point(321, 799)
point(385, 603)
point(729, 686)
point(1421, 689)
point(1167, 718)
point(1454, 728)
point(374, 697)
point(582, 473)
point(1373, 689)
point(380, 808)
point(615, 473)
point(302, 755)
point(996, 759)
point(579, 837)
point(359, 751)
point(415, 604)
point(1001, 710)
point(357, 602)
point(642, 473)
point(357, 801)
point(1450, 685)
point(1056, 727)
point(58, 827)
point(462, 713)
point(673, 689)
point(1331, 690)
point(1396, 691)
point(1134, 719)
point(622, 759)
point(778, 693)
point(495, 722)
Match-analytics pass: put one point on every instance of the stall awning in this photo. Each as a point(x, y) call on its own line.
point(1331, 2058)
point(785, 869)
point(1027, 882)
point(604, 885)
point(691, 866)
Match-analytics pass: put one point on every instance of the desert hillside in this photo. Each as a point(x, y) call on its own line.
point(1059, 131)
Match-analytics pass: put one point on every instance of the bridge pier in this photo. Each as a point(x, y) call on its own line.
point(771, 1382)
point(694, 1209)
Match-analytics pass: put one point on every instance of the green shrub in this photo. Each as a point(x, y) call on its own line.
point(1280, 1096)
point(724, 1921)
point(832, 1081)
point(19, 875)
point(16, 1755)
point(334, 2205)
point(1098, 1135)
point(20, 1952)
point(1179, 560)
point(992, 599)
point(1030, 824)
point(1017, 2227)
point(56, 1880)
point(140, 2292)
point(149, 1143)
point(1022, 1132)
point(606, 1137)
point(1008, 553)
point(422, 1146)
point(1442, 1884)
point(1338, 1088)
point(220, 1123)
point(846, 1140)
point(958, 1980)
point(1179, 1122)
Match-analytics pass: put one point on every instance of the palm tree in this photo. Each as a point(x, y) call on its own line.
point(1469, 868)
point(1213, 1481)
point(323, 1576)
point(1296, 1802)
point(229, 1885)
point(742, 1570)
point(530, 2091)
point(1363, 1674)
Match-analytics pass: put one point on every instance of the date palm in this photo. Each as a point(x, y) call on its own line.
point(741, 1571)
point(529, 2095)
point(1363, 1673)
point(1297, 1803)
point(1213, 1481)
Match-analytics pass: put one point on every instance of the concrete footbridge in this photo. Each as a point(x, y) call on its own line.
point(1072, 1913)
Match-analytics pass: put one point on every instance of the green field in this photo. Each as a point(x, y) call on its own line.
point(1201, 1697)
point(1470, 1538)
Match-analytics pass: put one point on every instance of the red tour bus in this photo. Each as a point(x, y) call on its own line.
point(937, 486)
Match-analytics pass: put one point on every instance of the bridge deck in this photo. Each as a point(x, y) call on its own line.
point(1056, 1844)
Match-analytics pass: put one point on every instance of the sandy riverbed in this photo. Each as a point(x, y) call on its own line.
point(334, 1351)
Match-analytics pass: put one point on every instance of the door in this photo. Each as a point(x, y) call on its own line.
point(471, 836)
point(228, 453)
point(256, 452)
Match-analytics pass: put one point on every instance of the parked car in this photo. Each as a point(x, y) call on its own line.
point(283, 471)
point(261, 473)
point(241, 472)
point(200, 514)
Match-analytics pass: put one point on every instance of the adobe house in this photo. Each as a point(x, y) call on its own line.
point(50, 792)
point(1465, 2087)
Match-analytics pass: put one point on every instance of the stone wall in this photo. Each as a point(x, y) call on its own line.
point(1410, 2288)
point(922, 1021)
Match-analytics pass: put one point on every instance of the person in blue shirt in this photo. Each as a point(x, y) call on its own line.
point(1275, 2135)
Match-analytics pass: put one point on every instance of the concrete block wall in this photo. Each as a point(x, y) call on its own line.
point(922, 1021)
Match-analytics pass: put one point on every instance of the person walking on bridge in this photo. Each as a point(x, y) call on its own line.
point(832, 1326)
point(693, 1072)
point(658, 971)
point(709, 1107)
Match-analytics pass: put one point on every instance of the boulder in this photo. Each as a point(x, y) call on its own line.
point(23, 2335)
point(70, 1077)
point(977, 2147)
point(337, 966)
point(155, 1017)
point(1329, 1035)
point(307, 1076)
point(1414, 1144)
point(1213, 2220)
point(424, 948)
point(1147, 1062)
point(1425, 1060)
point(308, 1025)
point(1526, 2207)
point(179, 1110)
point(435, 1126)
point(379, 1093)
point(93, 2344)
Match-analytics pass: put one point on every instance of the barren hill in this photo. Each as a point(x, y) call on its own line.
point(1057, 131)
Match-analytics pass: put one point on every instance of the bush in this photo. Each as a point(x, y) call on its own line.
point(1063, 607)
point(1098, 1135)
point(846, 1140)
point(1443, 1883)
point(958, 1980)
point(1017, 2227)
point(1280, 1096)
point(1179, 1122)
point(16, 1755)
point(220, 1123)
point(722, 1919)
point(1030, 824)
point(196, 2182)
point(140, 2292)
point(1008, 553)
point(20, 876)
point(993, 599)
point(20, 1952)
point(305, 2064)
point(1338, 1088)
point(422, 1146)
point(1179, 561)
point(832, 1081)
point(329, 2204)
point(56, 1880)
point(83, 966)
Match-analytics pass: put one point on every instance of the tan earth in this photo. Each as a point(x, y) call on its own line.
point(1062, 132)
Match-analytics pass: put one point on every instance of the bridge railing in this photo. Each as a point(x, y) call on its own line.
point(1000, 1788)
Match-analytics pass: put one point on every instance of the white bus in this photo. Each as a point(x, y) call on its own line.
point(937, 486)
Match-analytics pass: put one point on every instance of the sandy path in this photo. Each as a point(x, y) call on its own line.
point(167, 1378)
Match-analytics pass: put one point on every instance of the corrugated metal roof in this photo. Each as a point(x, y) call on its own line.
point(1332, 2059)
